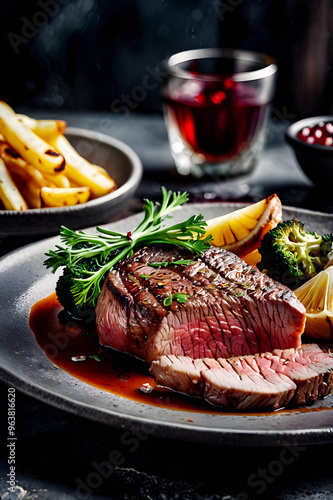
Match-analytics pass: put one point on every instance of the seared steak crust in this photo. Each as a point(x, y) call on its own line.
point(231, 309)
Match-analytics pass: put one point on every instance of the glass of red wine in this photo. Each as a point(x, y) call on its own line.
point(216, 103)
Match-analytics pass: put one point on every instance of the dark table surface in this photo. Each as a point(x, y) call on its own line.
point(63, 456)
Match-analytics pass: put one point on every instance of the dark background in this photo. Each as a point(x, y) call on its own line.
point(98, 56)
point(82, 55)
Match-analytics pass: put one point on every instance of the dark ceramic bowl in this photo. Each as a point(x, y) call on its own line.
point(121, 162)
point(315, 160)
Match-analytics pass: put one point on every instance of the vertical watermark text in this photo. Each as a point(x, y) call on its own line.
point(11, 439)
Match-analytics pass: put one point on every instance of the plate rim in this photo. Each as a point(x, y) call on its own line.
point(179, 430)
point(176, 431)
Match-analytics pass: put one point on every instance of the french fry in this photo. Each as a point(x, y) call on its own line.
point(50, 184)
point(102, 171)
point(39, 166)
point(29, 145)
point(73, 184)
point(16, 165)
point(9, 194)
point(43, 128)
point(31, 193)
point(81, 171)
point(60, 180)
point(62, 197)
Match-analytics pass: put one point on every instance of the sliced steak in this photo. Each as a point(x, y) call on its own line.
point(266, 381)
point(311, 369)
point(165, 300)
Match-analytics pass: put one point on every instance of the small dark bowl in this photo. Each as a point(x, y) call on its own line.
point(315, 160)
point(120, 161)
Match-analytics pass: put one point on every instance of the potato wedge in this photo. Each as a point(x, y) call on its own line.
point(81, 171)
point(29, 145)
point(43, 128)
point(62, 197)
point(9, 194)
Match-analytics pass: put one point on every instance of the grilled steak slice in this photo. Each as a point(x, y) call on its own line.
point(231, 383)
point(312, 371)
point(265, 381)
point(165, 300)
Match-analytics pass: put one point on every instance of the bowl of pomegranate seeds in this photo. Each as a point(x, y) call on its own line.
point(312, 142)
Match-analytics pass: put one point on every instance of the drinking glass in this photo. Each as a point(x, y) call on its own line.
point(216, 104)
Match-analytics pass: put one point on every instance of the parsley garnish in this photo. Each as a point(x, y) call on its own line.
point(95, 357)
point(180, 262)
point(180, 297)
point(106, 248)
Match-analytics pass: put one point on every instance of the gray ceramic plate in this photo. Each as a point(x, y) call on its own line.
point(24, 280)
point(121, 162)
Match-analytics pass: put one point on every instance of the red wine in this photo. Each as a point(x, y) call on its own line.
point(216, 119)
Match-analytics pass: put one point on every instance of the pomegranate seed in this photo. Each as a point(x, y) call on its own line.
point(306, 131)
point(329, 128)
point(320, 134)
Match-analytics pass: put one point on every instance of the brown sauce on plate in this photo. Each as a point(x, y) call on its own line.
point(113, 372)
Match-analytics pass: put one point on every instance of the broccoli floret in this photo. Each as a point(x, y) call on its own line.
point(326, 246)
point(84, 313)
point(291, 255)
point(63, 291)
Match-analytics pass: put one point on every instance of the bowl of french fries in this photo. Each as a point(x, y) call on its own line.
point(53, 175)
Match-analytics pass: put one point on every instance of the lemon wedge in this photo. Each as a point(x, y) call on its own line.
point(241, 231)
point(317, 297)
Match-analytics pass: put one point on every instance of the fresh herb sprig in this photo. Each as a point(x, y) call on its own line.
point(180, 262)
point(89, 257)
point(180, 297)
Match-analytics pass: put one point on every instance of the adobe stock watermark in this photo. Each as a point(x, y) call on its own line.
point(11, 439)
point(276, 123)
point(260, 480)
point(101, 471)
point(130, 101)
point(281, 118)
point(263, 477)
point(223, 8)
point(38, 20)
